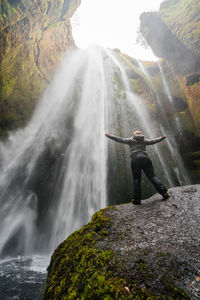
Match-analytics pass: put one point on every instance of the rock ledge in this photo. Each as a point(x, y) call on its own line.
point(133, 252)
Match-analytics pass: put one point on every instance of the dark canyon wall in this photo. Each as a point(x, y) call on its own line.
point(33, 37)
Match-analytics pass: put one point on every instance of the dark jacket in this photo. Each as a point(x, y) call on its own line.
point(137, 143)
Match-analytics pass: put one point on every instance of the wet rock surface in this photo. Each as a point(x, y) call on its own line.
point(157, 223)
point(34, 35)
point(163, 237)
point(149, 251)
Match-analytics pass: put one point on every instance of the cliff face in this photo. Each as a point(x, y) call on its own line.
point(129, 252)
point(33, 37)
point(173, 34)
point(167, 105)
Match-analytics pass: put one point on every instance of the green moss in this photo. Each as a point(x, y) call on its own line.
point(144, 88)
point(104, 232)
point(21, 86)
point(175, 85)
point(193, 95)
point(185, 121)
point(194, 155)
point(8, 88)
point(183, 18)
point(27, 58)
point(177, 293)
point(80, 271)
point(135, 85)
point(52, 25)
point(118, 86)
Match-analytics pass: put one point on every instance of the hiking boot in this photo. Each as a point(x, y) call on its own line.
point(136, 202)
point(165, 195)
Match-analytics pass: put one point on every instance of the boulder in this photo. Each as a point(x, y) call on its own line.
point(132, 252)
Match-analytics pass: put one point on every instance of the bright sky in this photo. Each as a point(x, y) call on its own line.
point(113, 24)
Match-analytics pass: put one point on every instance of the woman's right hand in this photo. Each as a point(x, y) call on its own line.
point(106, 134)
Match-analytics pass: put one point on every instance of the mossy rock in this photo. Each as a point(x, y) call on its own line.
point(82, 270)
point(193, 99)
point(182, 17)
point(102, 260)
point(173, 33)
point(194, 155)
point(139, 83)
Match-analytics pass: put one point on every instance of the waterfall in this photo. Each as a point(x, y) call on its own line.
point(180, 169)
point(169, 96)
point(181, 177)
point(60, 169)
point(53, 172)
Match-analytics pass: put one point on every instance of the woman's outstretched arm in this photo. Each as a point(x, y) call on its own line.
point(118, 139)
point(154, 141)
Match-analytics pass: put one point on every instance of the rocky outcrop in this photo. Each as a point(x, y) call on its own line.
point(132, 252)
point(173, 34)
point(138, 82)
point(166, 44)
point(33, 37)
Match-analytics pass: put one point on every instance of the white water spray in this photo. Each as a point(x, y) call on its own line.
point(53, 173)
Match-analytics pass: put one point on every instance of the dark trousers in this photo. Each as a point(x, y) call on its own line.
point(140, 161)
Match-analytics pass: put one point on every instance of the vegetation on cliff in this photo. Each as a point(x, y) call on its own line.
point(193, 99)
point(183, 19)
point(33, 37)
point(173, 34)
point(139, 83)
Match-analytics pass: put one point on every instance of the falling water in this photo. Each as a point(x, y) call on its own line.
point(165, 165)
point(180, 170)
point(53, 172)
point(57, 171)
point(169, 96)
point(167, 130)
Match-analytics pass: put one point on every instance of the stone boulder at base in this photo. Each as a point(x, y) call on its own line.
point(132, 252)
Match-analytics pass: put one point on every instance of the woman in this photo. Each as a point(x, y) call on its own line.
point(141, 161)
